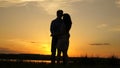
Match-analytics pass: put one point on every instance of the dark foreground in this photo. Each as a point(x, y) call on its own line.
point(48, 65)
point(37, 61)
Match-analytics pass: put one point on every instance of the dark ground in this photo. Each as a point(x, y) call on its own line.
point(48, 65)
point(17, 61)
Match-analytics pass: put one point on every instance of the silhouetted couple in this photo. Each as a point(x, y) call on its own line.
point(60, 28)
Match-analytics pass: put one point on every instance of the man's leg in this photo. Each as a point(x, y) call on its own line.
point(53, 50)
point(53, 57)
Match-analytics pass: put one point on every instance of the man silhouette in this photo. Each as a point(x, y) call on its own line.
point(55, 29)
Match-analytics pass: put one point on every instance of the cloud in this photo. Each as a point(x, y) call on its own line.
point(117, 2)
point(48, 5)
point(6, 50)
point(8, 3)
point(24, 46)
point(102, 26)
point(33, 42)
point(115, 28)
point(44, 3)
point(100, 44)
point(52, 6)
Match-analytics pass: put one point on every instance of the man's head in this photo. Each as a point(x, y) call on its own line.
point(59, 13)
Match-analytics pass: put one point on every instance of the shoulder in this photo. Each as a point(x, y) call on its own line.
point(54, 20)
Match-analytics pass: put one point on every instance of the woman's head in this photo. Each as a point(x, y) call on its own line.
point(67, 21)
point(67, 18)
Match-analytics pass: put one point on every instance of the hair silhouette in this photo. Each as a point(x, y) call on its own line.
point(67, 21)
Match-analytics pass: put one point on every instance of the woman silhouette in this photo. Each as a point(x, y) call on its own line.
point(63, 42)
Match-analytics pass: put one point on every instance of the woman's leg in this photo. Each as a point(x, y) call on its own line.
point(65, 57)
point(58, 55)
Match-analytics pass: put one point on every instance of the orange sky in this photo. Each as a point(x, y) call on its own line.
point(25, 24)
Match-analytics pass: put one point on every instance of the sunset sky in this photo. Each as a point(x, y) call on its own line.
point(25, 26)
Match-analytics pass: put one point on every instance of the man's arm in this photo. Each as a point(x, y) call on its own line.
point(51, 28)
